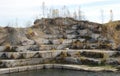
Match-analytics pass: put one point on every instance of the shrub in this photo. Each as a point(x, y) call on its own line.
point(105, 57)
point(30, 33)
point(77, 54)
point(7, 47)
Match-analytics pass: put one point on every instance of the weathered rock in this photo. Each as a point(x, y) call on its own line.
point(92, 54)
point(27, 48)
point(42, 41)
point(27, 42)
point(62, 46)
point(112, 62)
point(74, 27)
point(21, 62)
point(37, 21)
point(2, 48)
point(47, 47)
point(82, 32)
point(81, 40)
point(46, 54)
point(57, 41)
point(67, 41)
point(72, 60)
point(28, 54)
point(21, 48)
point(90, 61)
point(13, 55)
point(92, 40)
point(95, 36)
point(93, 46)
point(69, 31)
point(34, 48)
point(71, 36)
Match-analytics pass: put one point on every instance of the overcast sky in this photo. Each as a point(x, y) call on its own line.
point(25, 11)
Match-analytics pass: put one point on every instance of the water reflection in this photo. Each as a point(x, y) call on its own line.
point(60, 72)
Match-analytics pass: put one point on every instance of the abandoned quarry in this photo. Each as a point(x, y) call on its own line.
point(61, 43)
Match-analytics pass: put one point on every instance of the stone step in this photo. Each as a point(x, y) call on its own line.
point(26, 55)
point(53, 53)
point(79, 60)
point(53, 47)
point(113, 61)
point(57, 66)
point(94, 53)
point(23, 62)
point(91, 54)
point(57, 41)
point(53, 36)
point(90, 61)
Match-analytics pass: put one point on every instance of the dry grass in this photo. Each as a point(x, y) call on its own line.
point(30, 33)
point(111, 30)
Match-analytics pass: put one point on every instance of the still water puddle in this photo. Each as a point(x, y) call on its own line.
point(61, 72)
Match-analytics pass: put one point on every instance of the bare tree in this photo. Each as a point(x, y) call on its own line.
point(74, 15)
point(111, 15)
point(68, 13)
point(79, 14)
point(64, 11)
point(102, 16)
point(43, 9)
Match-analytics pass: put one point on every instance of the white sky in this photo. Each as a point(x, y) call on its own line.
point(24, 11)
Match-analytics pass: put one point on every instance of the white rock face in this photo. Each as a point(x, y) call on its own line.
point(46, 54)
point(71, 60)
point(67, 41)
point(69, 31)
point(74, 27)
point(56, 41)
point(95, 36)
point(82, 32)
point(71, 36)
point(13, 55)
point(42, 41)
point(2, 48)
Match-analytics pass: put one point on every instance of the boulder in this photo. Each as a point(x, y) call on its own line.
point(27, 42)
point(47, 47)
point(72, 60)
point(33, 48)
point(13, 55)
point(82, 32)
point(46, 54)
point(61, 46)
point(28, 54)
point(71, 36)
point(69, 31)
point(81, 40)
point(37, 21)
point(21, 48)
point(112, 62)
point(95, 36)
point(67, 41)
point(57, 41)
point(27, 48)
point(74, 27)
point(42, 41)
